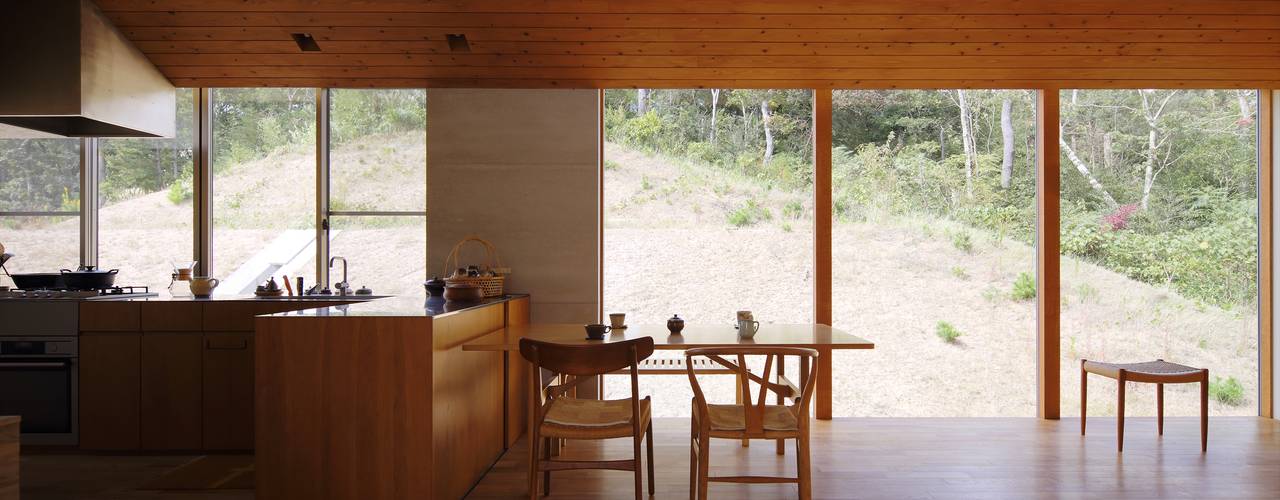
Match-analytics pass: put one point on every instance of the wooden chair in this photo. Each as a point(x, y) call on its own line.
point(1158, 372)
point(680, 365)
point(753, 419)
point(555, 414)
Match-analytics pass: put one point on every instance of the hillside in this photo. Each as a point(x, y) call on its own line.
point(894, 280)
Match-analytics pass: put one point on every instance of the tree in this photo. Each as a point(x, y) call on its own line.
point(1006, 134)
point(768, 132)
point(1156, 140)
point(966, 140)
point(715, 103)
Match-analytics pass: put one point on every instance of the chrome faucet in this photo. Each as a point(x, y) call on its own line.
point(342, 286)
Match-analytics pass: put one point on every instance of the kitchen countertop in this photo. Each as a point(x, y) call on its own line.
point(408, 306)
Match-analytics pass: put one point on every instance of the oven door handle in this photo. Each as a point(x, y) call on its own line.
point(24, 364)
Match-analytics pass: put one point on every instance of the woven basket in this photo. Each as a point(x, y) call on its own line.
point(490, 285)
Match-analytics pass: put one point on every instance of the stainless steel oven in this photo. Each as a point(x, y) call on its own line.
point(38, 380)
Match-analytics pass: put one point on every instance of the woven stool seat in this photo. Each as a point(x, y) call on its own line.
point(1158, 371)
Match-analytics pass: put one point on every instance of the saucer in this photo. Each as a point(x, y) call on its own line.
point(623, 327)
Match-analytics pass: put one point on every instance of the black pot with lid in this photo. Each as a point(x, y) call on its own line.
point(435, 286)
point(89, 278)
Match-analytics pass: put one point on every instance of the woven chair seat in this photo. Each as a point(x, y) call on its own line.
point(733, 418)
point(572, 418)
point(1157, 371)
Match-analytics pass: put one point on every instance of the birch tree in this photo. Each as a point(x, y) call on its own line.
point(715, 103)
point(768, 132)
point(1006, 131)
point(1156, 140)
point(966, 140)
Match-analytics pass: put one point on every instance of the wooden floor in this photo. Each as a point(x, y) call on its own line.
point(895, 458)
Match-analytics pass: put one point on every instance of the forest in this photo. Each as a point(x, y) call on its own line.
point(1158, 185)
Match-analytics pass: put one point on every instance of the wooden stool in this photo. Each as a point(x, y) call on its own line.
point(1157, 372)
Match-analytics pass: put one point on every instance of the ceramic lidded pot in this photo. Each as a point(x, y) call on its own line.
point(675, 324)
point(435, 287)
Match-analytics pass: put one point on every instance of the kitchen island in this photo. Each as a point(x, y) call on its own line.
point(378, 400)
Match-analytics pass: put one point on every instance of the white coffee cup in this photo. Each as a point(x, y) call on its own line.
point(618, 320)
point(747, 328)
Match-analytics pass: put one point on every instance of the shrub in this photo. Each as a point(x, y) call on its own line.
point(793, 210)
point(959, 272)
point(749, 215)
point(962, 241)
point(947, 332)
point(1024, 288)
point(1228, 392)
point(611, 165)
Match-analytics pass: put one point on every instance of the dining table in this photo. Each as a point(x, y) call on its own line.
point(822, 338)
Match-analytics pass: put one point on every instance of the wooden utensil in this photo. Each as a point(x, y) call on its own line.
point(287, 286)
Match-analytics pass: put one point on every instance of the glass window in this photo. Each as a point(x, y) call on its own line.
point(264, 186)
point(40, 203)
point(933, 251)
point(144, 224)
point(1160, 243)
point(378, 181)
point(708, 210)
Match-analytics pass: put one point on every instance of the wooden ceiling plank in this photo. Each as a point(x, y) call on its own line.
point(694, 84)
point(1248, 7)
point(714, 48)
point(713, 74)
point(457, 21)
point(324, 34)
point(716, 61)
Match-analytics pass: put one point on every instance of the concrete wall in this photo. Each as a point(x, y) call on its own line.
point(519, 168)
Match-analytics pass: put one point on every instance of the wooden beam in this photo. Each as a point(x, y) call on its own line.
point(463, 21)
point(549, 62)
point(822, 220)
point(1266, 240)
point(899, 48)
point(324, 34)
point(607, 83)
point(1192, 76)
point(862, 7)
point(1048, 235)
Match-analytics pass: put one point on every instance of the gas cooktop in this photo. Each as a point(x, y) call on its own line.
point(115, 292)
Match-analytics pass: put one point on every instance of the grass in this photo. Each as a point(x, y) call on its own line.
point(749, 214)
point(1228, 392)
point(947, 332)
point(959, 272)
point(1024, 288)
point(962, 241)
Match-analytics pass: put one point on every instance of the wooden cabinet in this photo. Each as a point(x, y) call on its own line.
point(171, 395)
point(110, 381)
point(228, 391)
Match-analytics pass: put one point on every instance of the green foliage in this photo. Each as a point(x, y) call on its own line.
point(793, 210)
point(611, 165)
point(962, 241)
point(1228, 392)
point(1024, 287)
point(960, 272)
point(181, 188)
point(749, 214)
point(947, 332)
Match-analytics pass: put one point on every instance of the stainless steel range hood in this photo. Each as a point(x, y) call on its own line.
point(66, 70)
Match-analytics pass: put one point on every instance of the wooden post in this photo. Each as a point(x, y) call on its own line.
point(822, 240)
point(1048, 278)
point(1266, 335)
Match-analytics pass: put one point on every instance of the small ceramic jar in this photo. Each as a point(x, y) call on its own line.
point(675, 324)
